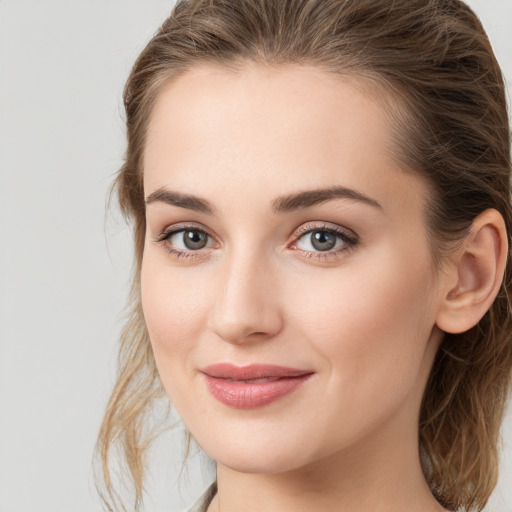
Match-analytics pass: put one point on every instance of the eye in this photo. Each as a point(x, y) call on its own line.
point(189, 239)
point(319, 240)
point(323, 241)
point(185, 241)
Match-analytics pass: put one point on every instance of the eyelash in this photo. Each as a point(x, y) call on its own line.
point(350, 241)
point(163, 237)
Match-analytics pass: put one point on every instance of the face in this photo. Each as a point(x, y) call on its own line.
point(287, 281)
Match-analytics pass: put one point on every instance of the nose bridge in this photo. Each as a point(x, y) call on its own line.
point(246, 305)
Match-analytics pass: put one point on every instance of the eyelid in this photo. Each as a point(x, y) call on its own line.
point(319, 226)
point(176, 228)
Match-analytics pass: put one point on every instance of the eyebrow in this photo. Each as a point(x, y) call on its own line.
point(188, 201)
point(283, 204)
point(313, 197)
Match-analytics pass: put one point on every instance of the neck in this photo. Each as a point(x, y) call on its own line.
point(361, 478)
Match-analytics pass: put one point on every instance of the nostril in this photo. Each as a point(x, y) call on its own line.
point(240, 336)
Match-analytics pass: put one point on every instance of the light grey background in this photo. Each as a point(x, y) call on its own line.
point(63, 274)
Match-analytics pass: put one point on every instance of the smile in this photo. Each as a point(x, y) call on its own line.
point(253, 386)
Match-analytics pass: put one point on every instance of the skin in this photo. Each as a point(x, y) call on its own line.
point(363, 319)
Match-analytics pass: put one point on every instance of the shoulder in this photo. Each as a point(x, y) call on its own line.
point(201, 505)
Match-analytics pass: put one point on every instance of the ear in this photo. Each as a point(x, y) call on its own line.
point(474, 274)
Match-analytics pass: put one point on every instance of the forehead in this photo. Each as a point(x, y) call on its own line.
point(264, 105)
point(270, 129)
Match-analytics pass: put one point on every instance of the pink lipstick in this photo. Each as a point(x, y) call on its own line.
point(248, 387)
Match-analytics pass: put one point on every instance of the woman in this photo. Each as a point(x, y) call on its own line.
point(319, 192)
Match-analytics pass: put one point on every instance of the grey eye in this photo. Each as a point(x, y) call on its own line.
point(189, 239)
point(321, 240)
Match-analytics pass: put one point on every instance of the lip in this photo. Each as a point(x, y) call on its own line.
point(256, 385)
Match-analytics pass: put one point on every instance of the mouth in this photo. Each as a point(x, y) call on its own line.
point(253, 386)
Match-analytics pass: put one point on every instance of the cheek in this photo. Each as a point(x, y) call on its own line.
point(371, 323)
point(172, 310)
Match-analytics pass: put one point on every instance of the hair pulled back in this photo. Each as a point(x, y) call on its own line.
point(444, 91)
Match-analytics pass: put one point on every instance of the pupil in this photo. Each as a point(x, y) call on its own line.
point(322, 240)
point(194, 239)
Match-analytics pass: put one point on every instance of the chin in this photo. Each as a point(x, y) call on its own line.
point(258, 458)
point(260, 465)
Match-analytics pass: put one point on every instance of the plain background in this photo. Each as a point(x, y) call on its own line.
point(64, 264)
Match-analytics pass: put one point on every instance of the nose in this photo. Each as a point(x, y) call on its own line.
point(247, 301)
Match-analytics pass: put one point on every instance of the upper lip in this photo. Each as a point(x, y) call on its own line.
point(253, 371)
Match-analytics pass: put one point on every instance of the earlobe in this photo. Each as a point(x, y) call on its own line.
point(477, 270)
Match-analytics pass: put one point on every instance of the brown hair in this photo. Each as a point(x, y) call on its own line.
point(433, 59)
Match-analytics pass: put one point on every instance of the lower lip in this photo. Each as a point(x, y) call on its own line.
point(250, 395)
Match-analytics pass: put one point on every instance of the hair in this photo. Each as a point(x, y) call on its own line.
point(447, 102)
